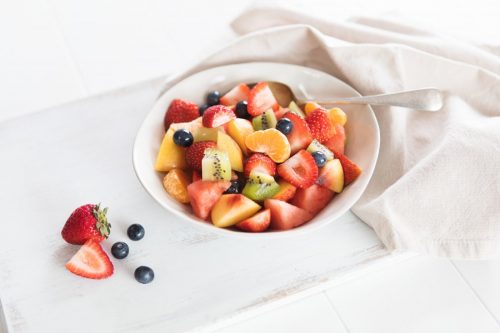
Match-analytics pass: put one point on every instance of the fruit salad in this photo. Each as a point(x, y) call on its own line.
point(245, 162)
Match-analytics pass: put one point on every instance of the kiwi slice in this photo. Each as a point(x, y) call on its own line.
point(316, 146)
point(205, 134)
point(260, 192)
point(293, 107)
point(264, 121)
point(215, 165)
point(257, 177)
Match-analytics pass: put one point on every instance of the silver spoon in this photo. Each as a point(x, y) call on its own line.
point(428, 99)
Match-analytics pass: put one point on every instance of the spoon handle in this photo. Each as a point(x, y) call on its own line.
point(429, 99)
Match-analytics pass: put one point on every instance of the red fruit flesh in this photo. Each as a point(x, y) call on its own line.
point(313, 199)
point(285, 216)
point(238, 93)
point(180, 111)
point(300, 137)
point(281, 112)
point(261, 99)
point(337, 142)
point(86, 222)
point(320, 125)
point(195, 153)
point(351, 170)
point(91, 262)
point(299, 170)
point(260, 162)
point(195, 176)
point(257, 223)
point(217, 115)
point(204, 194)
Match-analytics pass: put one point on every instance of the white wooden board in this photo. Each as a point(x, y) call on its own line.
point(58, 159)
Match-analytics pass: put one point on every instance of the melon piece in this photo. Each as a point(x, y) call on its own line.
point(231, 209)
point(285, 216)
point(170, 155)
point(204, 194)
point(313, 199)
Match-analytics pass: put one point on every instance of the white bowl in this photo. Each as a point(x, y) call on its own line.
point(361, 129)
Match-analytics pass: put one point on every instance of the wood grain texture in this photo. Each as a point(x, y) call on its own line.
point(56, 160)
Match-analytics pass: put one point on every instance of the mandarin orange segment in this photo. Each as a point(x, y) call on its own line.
point(175, 183)
point(310, 107)
point(271, 142)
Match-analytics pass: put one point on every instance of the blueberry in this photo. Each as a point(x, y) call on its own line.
point(144, 274)
point(234, 188)
point(319, 158)
point(119, 250)
point(241, 109)
point(135, 232)
point(213, 98)
point(202, 108)
point(183, 138)
point(284, 125)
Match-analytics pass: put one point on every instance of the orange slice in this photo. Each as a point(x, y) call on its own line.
point(271, 142)
point(175, 183)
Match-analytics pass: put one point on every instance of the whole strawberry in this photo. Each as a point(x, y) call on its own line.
point(180, 111)
point(86, 222)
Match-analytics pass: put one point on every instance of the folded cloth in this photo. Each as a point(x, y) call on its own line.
point(436, 187)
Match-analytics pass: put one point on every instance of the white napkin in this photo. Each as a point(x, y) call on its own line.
point(436, 187)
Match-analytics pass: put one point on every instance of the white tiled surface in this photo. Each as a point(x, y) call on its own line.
point(54, 51)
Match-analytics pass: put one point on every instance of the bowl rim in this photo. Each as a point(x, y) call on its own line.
point(258, 235)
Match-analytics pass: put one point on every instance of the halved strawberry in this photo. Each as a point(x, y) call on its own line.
point(195, 153)
point(285, 216)
point(91, 262)
point(203, 195)
point(313, 199)
point(260, 162)
point(180, 111)
point(337, 142)
point(238, 93)
point(351, 170)
point(286, 192)
point(260, 99)
point(257, 223)
point(299, 170)
point(322, 129)
point(300, 137)
point(217, 115)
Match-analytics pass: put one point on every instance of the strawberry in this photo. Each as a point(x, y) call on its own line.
point(322, 129)
point(257, 223)
point(86, 222)
point(313, 199)
point(285, 216)
point(180, 111)
point(299, 170)
point(337, 142)
point(300, 137)
point(195, 176)
point(217, 115)
point(351, 170)
point(195, 153)
point(260, 162)
point(260, 99)
point(238, 93)
point(91, 262)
